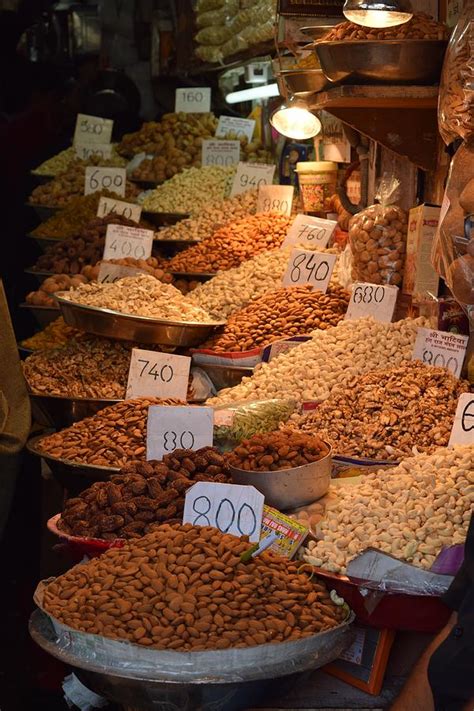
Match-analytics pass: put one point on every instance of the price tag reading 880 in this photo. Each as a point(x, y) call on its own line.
point(170, 428)
point(92, 129)
point(306, 267)
point(109, 206)
point(98, 179)
point(441, 349)
point(309, 231)
point(157, 374)
point(372, 300)
point(122, 241)
point(275, 198)
point(250, 176)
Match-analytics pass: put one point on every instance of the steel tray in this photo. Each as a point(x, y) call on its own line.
point(43, 314)
point(43, 211)
point(58, 411)
point(305, 82)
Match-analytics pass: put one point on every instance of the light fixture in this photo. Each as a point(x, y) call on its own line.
point(257, 92)
point(378, 13)
point(294, 120)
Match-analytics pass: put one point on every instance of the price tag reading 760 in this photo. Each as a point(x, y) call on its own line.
point(306, 267)
point(170, 428)
point(250, 176)
point(463, 426)
point(122, 241)
point(92, 129)
point(309, 231)
point(157, 374)
point(98, 179)
point(372, 300)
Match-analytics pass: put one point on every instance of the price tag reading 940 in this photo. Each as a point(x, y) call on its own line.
point(307, 231)
point(170, 428)
point(110, 206)
point(441, 349)
point(251, 176)
point(372, 300)
point(92, 129)
point(98, 179)
point(122, 241)
point(306, 267)
point(193, 100)
point(463, 426)
point(153, 374)
point(86, 150)
point(275, 198)
point(222, 153)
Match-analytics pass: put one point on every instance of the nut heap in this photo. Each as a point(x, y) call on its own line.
point(282, 449)
point(185, 588)
point(56, 333)
point(421, 26)
point(70, 220)
point(44, 295)
point(286, 312)
point(140, 498)
point(388, 413)
point(411, 511)
point(62, 161)
point(177, 138)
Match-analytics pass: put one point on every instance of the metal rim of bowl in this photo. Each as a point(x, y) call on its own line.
point(31, 446)
point(284, 471)
point(338, 43)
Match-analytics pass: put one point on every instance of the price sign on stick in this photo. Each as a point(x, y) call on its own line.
point(306, 267)
point(236, 126)
point(275, 198)
point(109, 272)
point(309, 231)
point(108, 206)
point(463, 427)
point(250, 176)
point(170, 428)
point(158, 375)
point(122, 241)
point(98, 179)
point(372, 300)
point(193, 100)
point(86, 150)
point(231, 508)
point(221, 153)
point(440, 348)
point(92, 129)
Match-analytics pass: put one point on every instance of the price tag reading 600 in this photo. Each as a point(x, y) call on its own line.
point(306, 267)
point(98, 179)
point(170, 428)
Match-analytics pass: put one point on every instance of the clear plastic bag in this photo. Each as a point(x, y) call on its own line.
point(207, 5)
point(217, 17)
point(233, 423)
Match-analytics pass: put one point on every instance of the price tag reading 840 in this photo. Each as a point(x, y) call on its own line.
point(232, 508)
point(122, 241)
point(92, 129)
point(222, 153)
point(170, 428)
point(372, 300)
point(98, 179)
point(86, 150)
point(110, 206)
point(308, 231)
point(250, 176)
point(275, 198)
point(193, 100)
point(306, 267)
point(441, 349)
point(463, 426)
point(157, 374)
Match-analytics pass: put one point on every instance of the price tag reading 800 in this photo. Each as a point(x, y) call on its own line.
point(441, 349)
point(309, 231)
point(195, 100)
point(92, 129)
point(110, 206)
point(221, 153)
point(306, 267)
point(170, 428)
point(275, 198)
point(372, 300)
point(250, 176)
point(157, 374)
point(98, 179)
point(122, 241)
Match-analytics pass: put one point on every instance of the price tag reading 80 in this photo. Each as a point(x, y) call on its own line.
point(110, 206)
point(170, 428)
point(157, 374)
point(372, 300)
point(441, 349)
point(98, 179)
point(92, 129)
point(122, 241)
point(306, 267)
point(309, 231)
point(275, 198)
point(250, 176)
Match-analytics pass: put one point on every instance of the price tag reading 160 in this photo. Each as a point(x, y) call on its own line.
point(306, 267)
point(157, 374)
point(111, 206)
point(195, 100)
point(170, 428)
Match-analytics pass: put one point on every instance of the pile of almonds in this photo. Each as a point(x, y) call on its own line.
point(421, 26)
point(281, 449)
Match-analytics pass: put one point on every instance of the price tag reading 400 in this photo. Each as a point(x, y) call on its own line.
point(221, 153)
point(157, 374)
point(440, 348)
point(372, 300)
point(98, 179)
point(306, 267)
point(108, 206)
point(463, 426)
point(275, 198)
point(92, 129)
point(193, 100)
point(311, 231)
point(170, 428)
point(250, 176)
point(122, 241)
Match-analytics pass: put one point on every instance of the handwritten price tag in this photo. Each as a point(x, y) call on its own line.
point(232, 508)
point(92, 129)
point(98, 179)
point(193, 100)
point(170, 428)
point(220, 152)
point(372, 300)
point(109, 272)
point(235, 126)
point(158, 375)
point(306, 267)
point(86, 150)
point(122, 241)
point(275, 198)
point(463, 426)
point(441, 349)
point(110, 206)
point(250, 176)
point(309, 231)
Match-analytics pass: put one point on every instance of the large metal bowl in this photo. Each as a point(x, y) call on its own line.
point(224, 376)
point(304, 82)
point(43, 315)
point(58, 411)
point(383, 62)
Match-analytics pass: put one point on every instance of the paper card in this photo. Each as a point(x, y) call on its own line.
point(92, 129)
point(306, 267)
point(310, 232)
point(193, 100)
point(275, 198)
point(290, 533)
point(170, 428)
point(441, 349)
point(98, 179)
point(283, 346)
point(112, 206)
point(109, 272)
point(235, 125)
point(463, 426)
point(232, 508)
point(250, 176)
point(222, 153)
point(85, 150)
point(122, 241)
point(153, 374)
point(372, 300)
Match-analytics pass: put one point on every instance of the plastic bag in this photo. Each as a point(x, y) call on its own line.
point(456, 96)
point(206, 5)
point(233, 423)
point(213, 35)
point(377, 238)
point(217, 17)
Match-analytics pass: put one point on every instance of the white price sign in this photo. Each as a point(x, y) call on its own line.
point(309, 231)
point(250, 176)
point(235, 126)
point(441, 349)
point(98, 179)
point(122, 241)
point(92, 129)
point(158, 375)
point(193, 100)
point(170, 428)
point(232, 508)
point(110, 206)
point(220, 152)
point(275, 198)
point(86, 150)
point(372, 300)
point(109, 272)
point(306, 267)
point(463, 426)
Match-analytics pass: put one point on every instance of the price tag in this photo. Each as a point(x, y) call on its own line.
point(238, 126)
point(306, 267)
point(92, 129)
point(232, 508)
point(122, 241)
point(220, 152)
point(441, 349)
point(86, 150)
point(170, 428)
point(309, 231)
point(154, 374)
point(108, 206)
point(463, 427)
point(250, 176)
point(372, 300)
point(193, 100)
point(275, 198)
point(98, 179)
point(109, 272)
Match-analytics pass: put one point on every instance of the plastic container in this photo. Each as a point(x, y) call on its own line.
point(317, 181)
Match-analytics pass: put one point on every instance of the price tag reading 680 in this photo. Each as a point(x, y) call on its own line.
point(250, 176)
point(306, 267)
point(170, 428)
point(372, 300)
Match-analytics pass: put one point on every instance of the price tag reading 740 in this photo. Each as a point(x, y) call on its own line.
point(250, 176)
point(193, 100)
point(170, 428)
point(441, 349)
point(92, 129)
point(157, 374)
point(98, 179)
point(110, 206)
point(122, 241)
point(372, 300)
point(309, 231)
point(275, 198)
point(463, 426)
point(306, 267)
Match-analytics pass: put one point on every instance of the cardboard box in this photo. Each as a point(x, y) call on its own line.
point(420, 280)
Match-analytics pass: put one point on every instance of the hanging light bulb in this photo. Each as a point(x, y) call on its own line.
point(294, 120)
point(378, 13)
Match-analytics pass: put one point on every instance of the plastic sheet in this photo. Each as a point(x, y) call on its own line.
point(247, 419)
